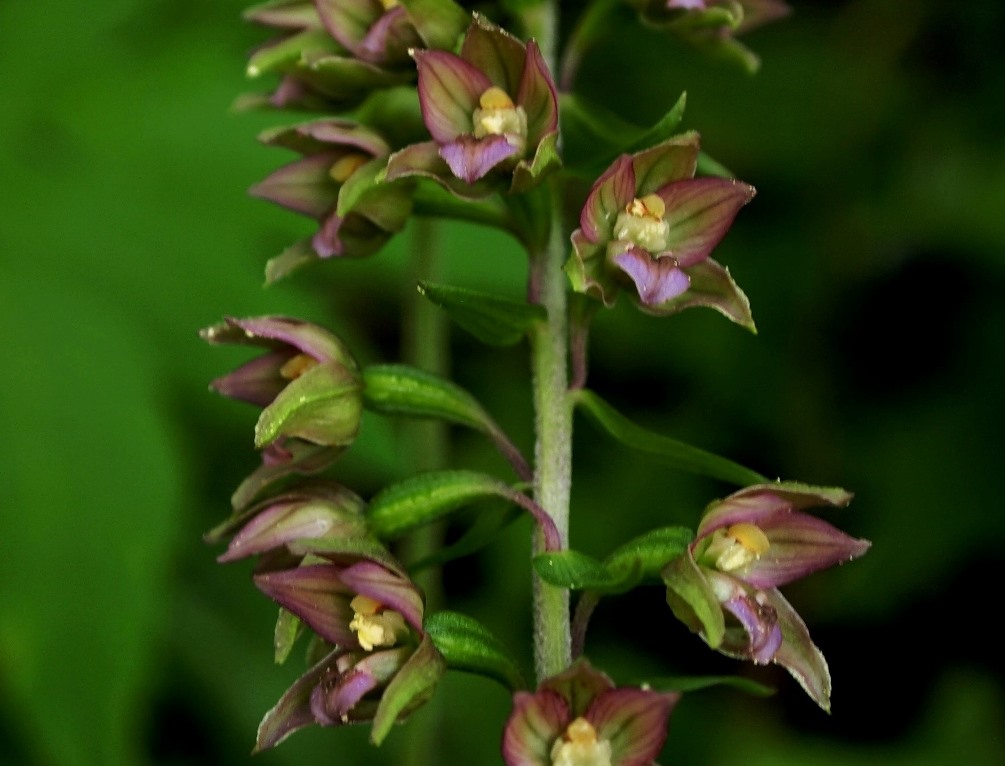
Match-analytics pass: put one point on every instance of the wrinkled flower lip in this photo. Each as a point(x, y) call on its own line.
point(657, 279)
point(471, 158)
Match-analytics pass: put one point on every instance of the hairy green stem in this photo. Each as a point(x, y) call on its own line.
point(553, 450)
point(552, 408)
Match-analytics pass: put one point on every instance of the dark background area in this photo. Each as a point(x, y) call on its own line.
point(874, 258)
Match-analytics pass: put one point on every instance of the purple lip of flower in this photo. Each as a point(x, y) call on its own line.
point(647, 221)
point(579, 716)
point(489, 106)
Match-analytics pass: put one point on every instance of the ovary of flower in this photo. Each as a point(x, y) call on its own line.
point(347, 165)
point(297, 366)
point(642, 222)
point(497, 115)
point(737, 546)
point(579, 746)
point(375, 626)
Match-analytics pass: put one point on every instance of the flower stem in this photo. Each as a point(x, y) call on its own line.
point(553, 451)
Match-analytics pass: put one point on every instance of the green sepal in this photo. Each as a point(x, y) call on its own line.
point(527, 175)
point(294, 257)
point(483, 531)
point(676, 453)
point(401, 390)
point(322, 406)
point(646, 555)
point(467, 645)
point(440, 23)
point(410, 688)
point(288, 629)
point(422, 499)
point(492, 319)
point(713, 287)
point(697, 683)
point(693, 601)
point(593, 136)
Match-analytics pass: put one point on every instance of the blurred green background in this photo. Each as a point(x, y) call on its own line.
point(874, 257)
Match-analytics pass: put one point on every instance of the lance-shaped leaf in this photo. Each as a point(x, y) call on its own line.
point(593, 136)
point(467, 645)
point(286, 53)
point(576, 571)
point(646, 555)
point(410, 688)
point(698, 683)
point(404, 390)
point(421, 499)
point(492, 319)
point(676, 453)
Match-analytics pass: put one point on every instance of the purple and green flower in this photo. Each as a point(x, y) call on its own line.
point(725, 586)
point(492, 113)
point(307, 381)
point(579, 718)
point(648, 227)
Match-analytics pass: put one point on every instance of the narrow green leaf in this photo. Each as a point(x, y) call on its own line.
point(492, 319)
point(402, 390)
point(410, 688)
point(672, 451)
point(593, 136)
point(467, 645)
point(697, 683)
point(647, 554)
point(422, 499)
point(662, 130)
